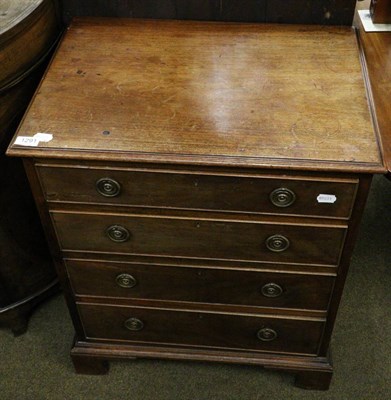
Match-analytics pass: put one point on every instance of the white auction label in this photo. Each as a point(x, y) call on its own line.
point(27, 141)
point(327, 198)
point(33, 141)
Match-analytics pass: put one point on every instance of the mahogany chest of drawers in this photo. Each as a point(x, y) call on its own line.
point(201, 185)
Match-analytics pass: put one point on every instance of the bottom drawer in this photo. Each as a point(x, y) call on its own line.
point(201, 329)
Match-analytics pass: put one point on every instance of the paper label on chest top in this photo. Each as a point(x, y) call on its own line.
point(327, 198)
point(33, 141)
point(27, 141)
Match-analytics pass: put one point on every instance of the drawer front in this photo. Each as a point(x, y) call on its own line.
point(206, 285)
point(199, 239)
point(148, 325)
point(296, 196)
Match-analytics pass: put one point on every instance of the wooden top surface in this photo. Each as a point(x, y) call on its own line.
point(377, 50)
point(206, 93)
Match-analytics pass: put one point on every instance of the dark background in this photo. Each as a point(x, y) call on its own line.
point(328, 12)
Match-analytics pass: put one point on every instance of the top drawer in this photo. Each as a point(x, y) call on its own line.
point(269, 194)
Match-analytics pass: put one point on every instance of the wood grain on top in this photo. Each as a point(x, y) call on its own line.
point(205, 92)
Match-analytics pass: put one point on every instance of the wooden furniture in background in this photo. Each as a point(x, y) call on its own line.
point(282, 11)
point(29, 30)
point(202, 189)
point(380, 11)
point(377, 50)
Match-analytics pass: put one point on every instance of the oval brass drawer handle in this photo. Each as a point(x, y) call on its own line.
point(277, 243)
point(126, 281)
point(271, 290)
point(134, 324)
point(267, 334)
point(108, 187)
point(282, 197)
point(117, 233)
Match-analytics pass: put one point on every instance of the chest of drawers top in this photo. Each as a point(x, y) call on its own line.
point(202, 187)
point(205, 93)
